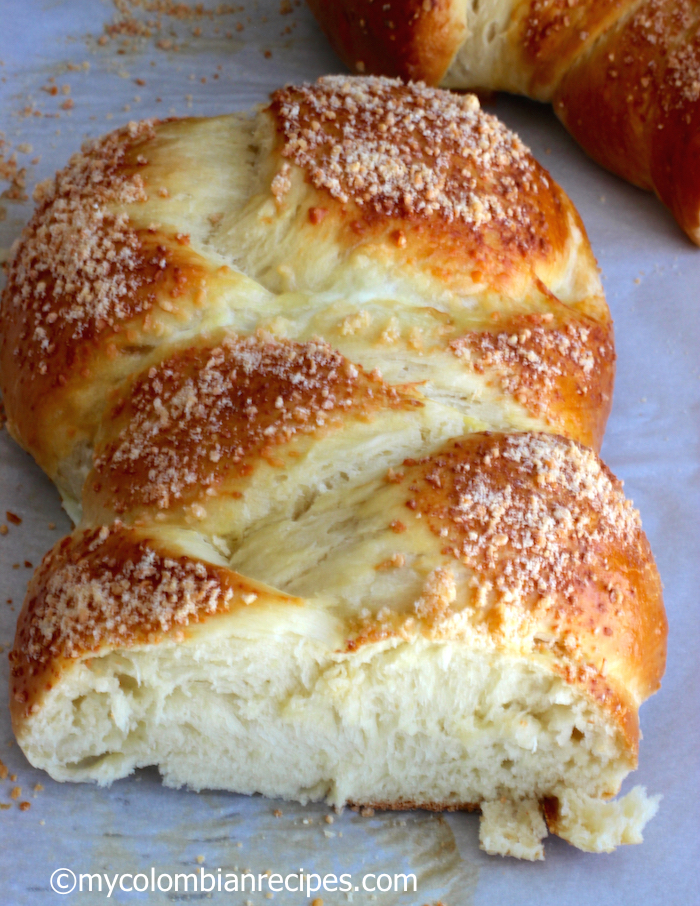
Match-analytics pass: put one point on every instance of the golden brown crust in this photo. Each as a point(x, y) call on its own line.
point(560, 567)
point(426, 162)
point(547, 527)
point(676, 149)
point(208, 415)
point(613, 100)
point(96, 288)
point(430, 212)
point(622, 74)
point(417, 40)
point(552, 34)
point(561, 572)
point(412, 39)
point(561, 369)
point(79, 271)
point(89, 294)
point(113, 587)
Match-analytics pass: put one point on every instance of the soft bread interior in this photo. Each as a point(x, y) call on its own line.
point(485, 58)
point(278, 712)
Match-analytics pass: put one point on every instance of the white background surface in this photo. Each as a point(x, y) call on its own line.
point(652, 279)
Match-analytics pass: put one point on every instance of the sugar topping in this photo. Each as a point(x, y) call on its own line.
point(535, 512)
point(530, 359)
point(548, 24)
point(654, 58)
point(407, 150)
point(439, 593)
point(78, 258)
point(683, 75)
point(107, 586)
point(207, 413)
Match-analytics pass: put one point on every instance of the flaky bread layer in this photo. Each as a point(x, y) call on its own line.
point(421, 721)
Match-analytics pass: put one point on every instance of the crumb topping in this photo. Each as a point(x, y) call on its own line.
point(681, 88)
point(76, 265)
point(654, 58)
point(439, 593)
point(530, 359)
point(649, 38)
point(105, 585)
point(535, 512)
point(208, 413)
point(407, 150)
point(683, 74)
point(549, 23)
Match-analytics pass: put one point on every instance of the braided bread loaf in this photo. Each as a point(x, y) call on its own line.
point(623, 75)
point(319, 388)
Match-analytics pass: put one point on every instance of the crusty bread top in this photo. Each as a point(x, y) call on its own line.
point(427, 40)
point(412, 39)
point(558, 551)
point(215, 320)
point(161, 231)
point(209, 410)
point(528, 541)
point(623, 75)
point(643, 75)
point(87, 287)
point(114, 587)
point(410, 151)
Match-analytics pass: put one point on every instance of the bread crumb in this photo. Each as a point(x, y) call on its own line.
point(512, 829)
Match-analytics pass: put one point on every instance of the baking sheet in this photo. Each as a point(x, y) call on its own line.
point(652, 279)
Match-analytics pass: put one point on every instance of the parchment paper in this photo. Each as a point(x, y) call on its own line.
point(652, 279)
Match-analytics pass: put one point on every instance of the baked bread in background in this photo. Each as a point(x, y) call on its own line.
point(623, 75)
point(322, 389)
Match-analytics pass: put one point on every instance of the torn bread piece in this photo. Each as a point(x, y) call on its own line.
point(517, 828)
point(597, 826)
point(510, 828)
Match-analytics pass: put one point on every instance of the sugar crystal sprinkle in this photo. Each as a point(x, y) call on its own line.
point(406, 150)
point(78, 259)
point(529, 359)
point(204, 412)
point(106, 584)
point(534, 510)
